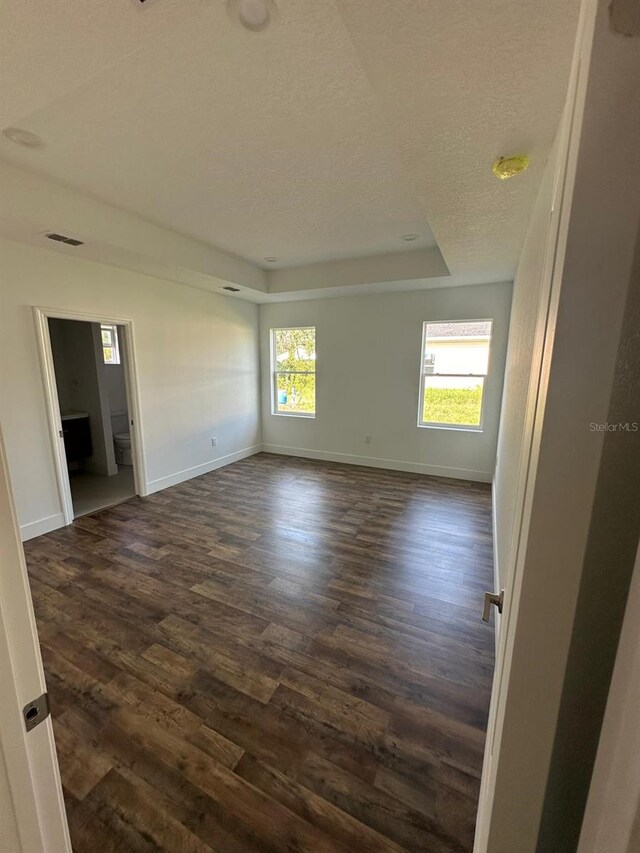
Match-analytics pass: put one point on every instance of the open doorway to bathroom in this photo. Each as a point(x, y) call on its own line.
point(91, 413)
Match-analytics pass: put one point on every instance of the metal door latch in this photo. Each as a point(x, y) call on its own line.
point(36, 711)
point(489, 599)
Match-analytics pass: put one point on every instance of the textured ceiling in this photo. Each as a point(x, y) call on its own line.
point(342, 127)
point(461, 83)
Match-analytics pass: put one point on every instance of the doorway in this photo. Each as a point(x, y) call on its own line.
point(92, 400)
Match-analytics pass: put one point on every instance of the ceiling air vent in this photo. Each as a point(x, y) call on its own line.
point(231, 289)
point(61, 238)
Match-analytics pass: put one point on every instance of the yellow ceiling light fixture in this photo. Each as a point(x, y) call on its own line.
point(508, 167)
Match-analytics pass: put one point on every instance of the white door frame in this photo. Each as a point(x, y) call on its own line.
point(30, 758)
point(41, 316)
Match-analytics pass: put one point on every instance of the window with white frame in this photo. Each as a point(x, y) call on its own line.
point(293, 371)
point(454, 366)
point(110, 348)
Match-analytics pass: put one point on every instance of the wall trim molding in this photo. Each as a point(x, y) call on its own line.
point(374, 462)
point(41, 526)
point(189, 473)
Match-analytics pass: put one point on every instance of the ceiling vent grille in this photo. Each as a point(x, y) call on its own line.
point(61, 238)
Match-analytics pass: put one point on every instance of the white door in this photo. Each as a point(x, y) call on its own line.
point(527, 464)
point(530, 586)
point(34, 807)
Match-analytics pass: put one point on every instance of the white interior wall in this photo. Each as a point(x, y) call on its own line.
point(368, 373)
point(197, 361)
point(525, 342)
point(115, 382)
point(198, 374)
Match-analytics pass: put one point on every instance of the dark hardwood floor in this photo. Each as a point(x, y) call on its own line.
point(282, 655)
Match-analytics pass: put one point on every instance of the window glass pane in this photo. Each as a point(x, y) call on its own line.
point(461, 348)
point(294, 349)
point(110, 351)
point(296, 393)
point(453, 400)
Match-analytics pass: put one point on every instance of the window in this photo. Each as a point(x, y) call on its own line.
point(455, 360)
point(293, 369)
point(110, 348)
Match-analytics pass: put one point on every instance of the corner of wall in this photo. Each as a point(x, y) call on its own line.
point(41, 526)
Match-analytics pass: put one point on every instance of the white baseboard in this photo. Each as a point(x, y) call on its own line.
point(197, 470)
point(374, 462)
point(42, 525)
point(496, 568)
point(53, 522)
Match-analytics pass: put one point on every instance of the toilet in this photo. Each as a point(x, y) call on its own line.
point(121, 438)
point(122, 447)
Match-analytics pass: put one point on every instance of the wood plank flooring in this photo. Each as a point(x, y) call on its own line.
point(282, 655)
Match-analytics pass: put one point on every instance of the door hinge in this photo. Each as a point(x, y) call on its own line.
point(36, 711)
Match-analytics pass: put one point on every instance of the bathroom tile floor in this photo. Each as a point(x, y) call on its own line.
point(90, 492)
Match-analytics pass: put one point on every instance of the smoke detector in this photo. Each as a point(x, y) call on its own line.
point(254, 15)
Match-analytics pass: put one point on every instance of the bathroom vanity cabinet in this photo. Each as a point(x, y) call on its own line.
point(77, 436)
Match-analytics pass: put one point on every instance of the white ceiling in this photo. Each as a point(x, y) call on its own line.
point(342, 127)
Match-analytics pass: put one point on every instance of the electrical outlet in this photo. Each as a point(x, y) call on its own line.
point(367, 439)
point(214, 442)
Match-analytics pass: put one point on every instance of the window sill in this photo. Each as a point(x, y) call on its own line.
point(451, 427)
point(292, 415)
